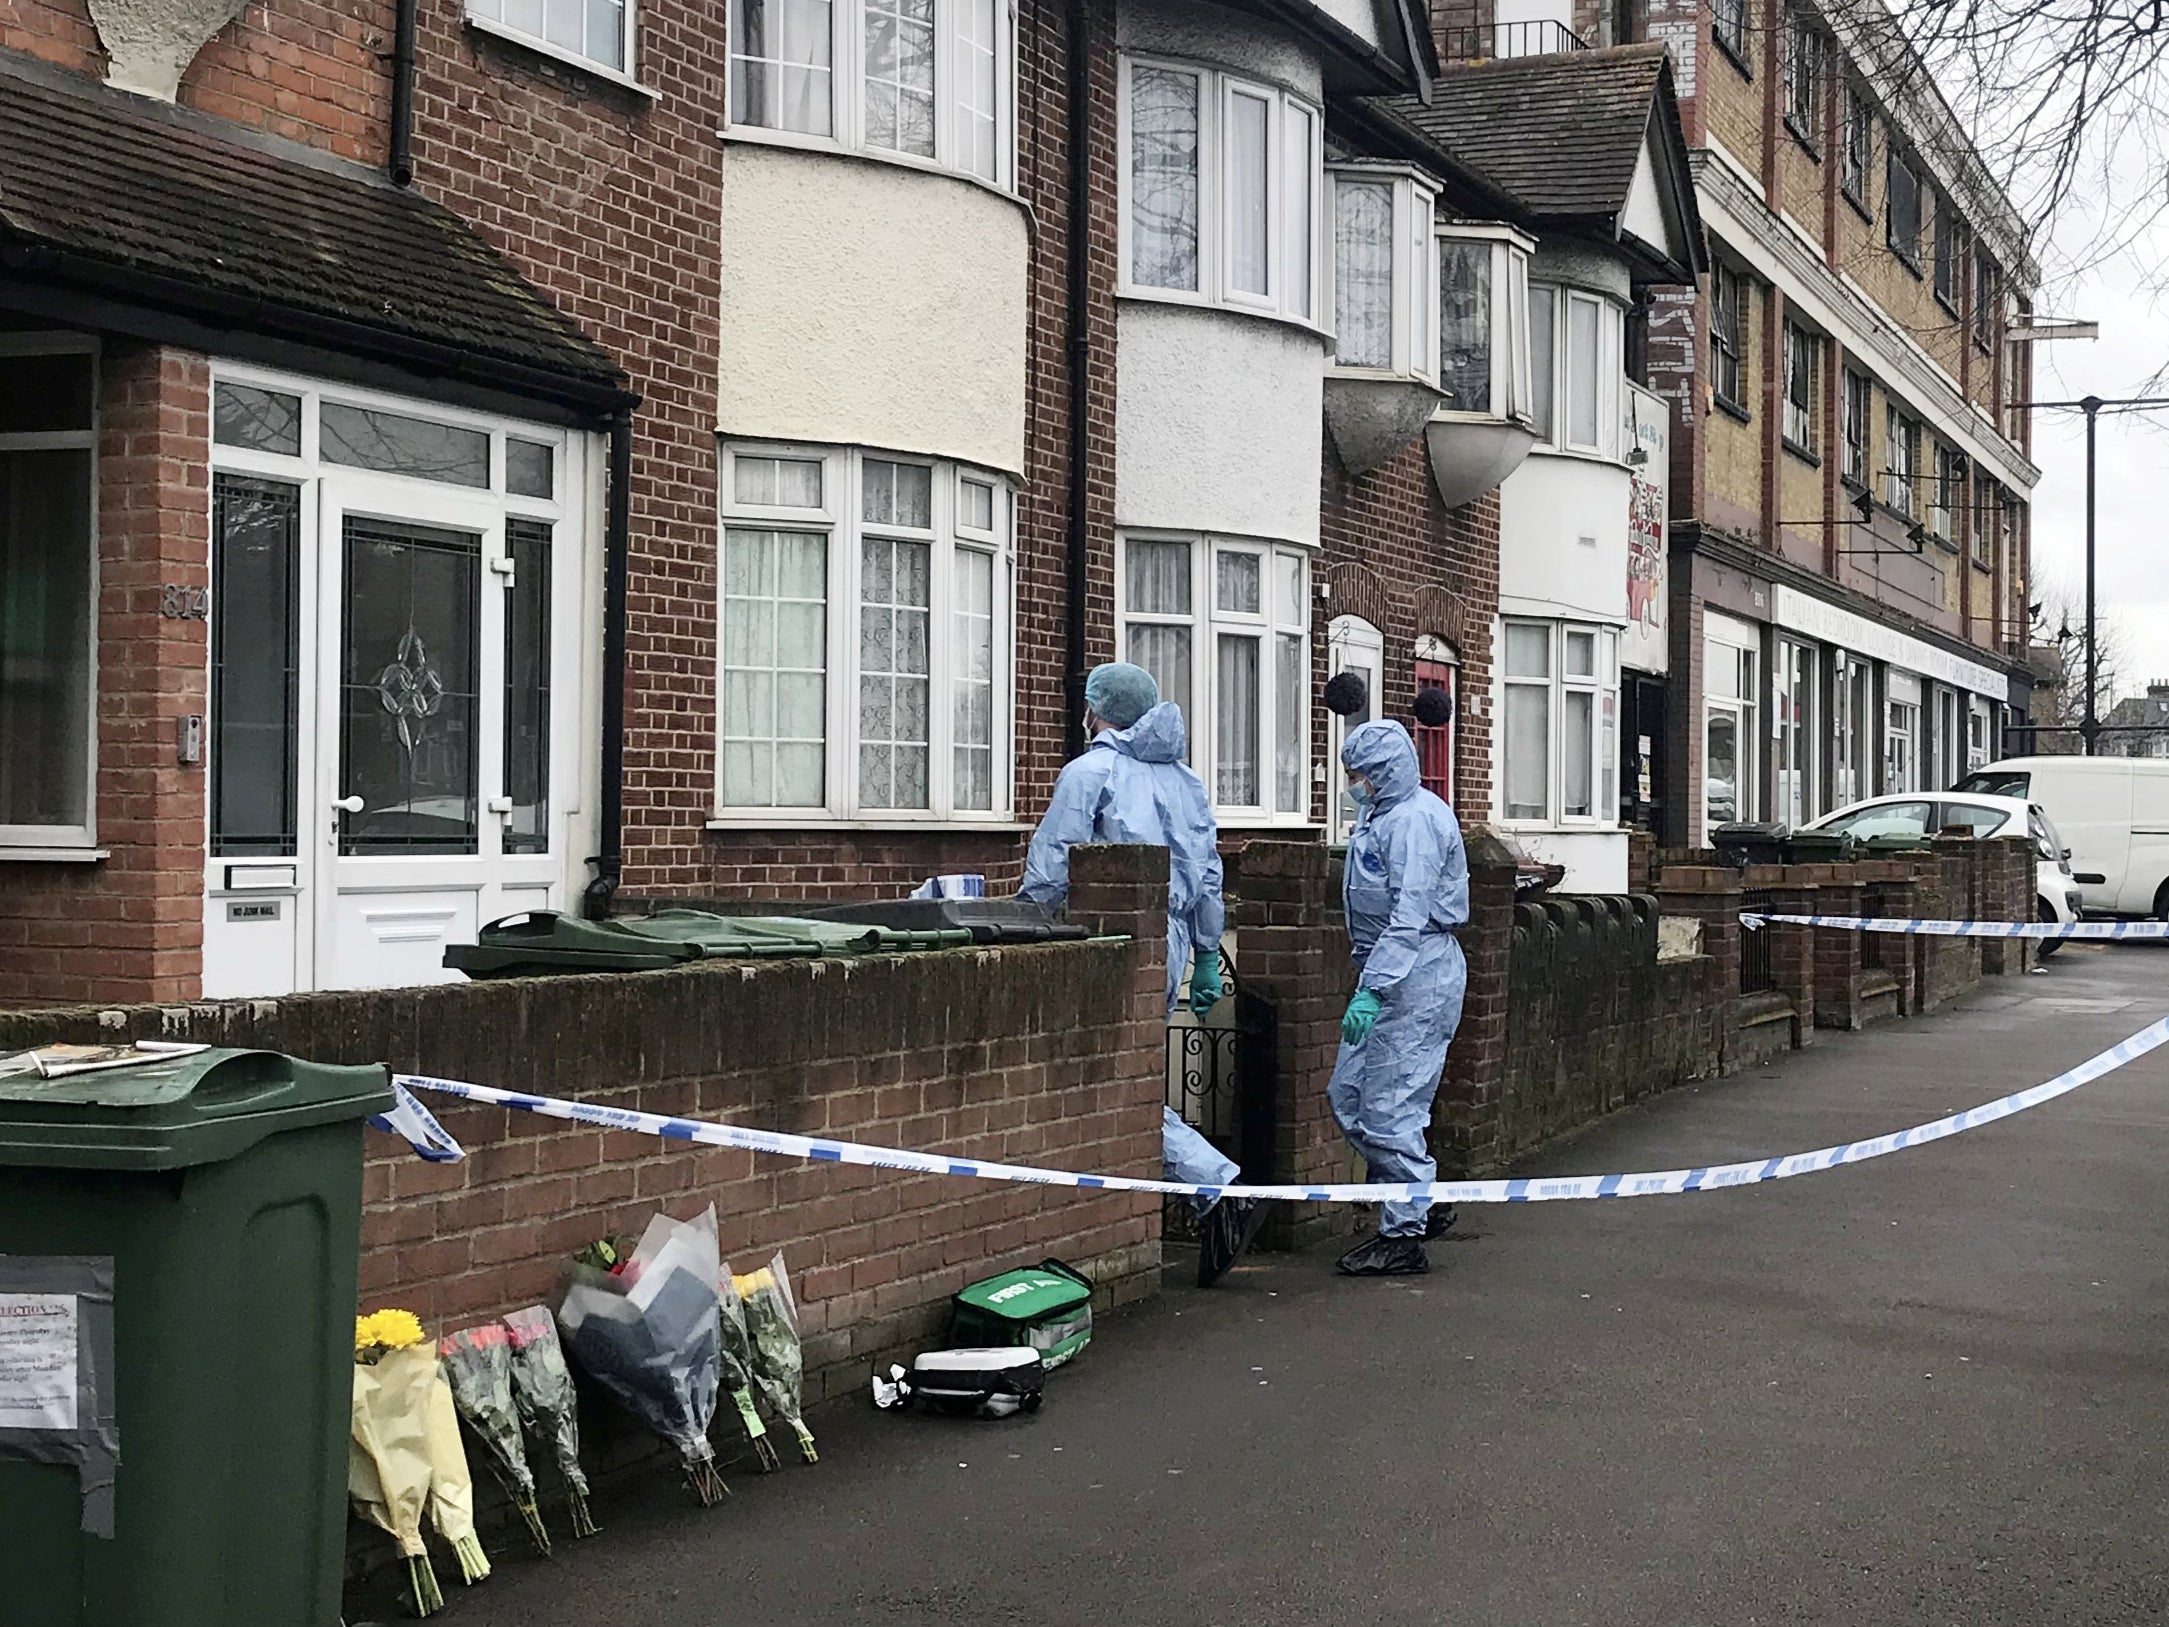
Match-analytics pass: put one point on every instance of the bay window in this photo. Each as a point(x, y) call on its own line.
point(1575, 365)
point(932, 80)
point(1220, 185)
point(1384, 265)
point(1483, 281)
point(1223, 626)
point(1560, 742)
point(48, 586)
point(1730, 689)
point(865, 637)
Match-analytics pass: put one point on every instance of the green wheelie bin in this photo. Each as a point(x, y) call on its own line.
point(193, 1223)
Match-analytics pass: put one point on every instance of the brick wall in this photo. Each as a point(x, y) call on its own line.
point(130, 927)
point(1048, 1054)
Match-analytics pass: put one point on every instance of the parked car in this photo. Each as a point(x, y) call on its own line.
point(1924, 813)
point(2114, 811)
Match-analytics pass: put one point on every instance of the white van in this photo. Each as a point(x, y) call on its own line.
point(2114, 811)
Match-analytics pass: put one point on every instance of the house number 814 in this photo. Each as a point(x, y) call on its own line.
point(179, 602)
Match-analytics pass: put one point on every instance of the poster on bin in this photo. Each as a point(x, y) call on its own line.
point(1642, 646)
point(37, 1361)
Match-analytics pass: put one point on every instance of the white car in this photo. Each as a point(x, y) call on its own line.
point(1924, 813)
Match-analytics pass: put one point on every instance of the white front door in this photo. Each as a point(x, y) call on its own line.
point(398, 610)
point(433, 716)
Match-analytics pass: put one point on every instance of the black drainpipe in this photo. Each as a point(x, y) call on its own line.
point(1080, 230)
point(617, 545)
point(402, 154)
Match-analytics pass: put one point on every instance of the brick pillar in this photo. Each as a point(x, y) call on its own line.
point(1291, 948)
point(130, 927)
point(1838, 955)
point(1120, 889)
point(1963, 875)
point(1892, 889)
point(1465, 1132)
point(2008, 894)
point(1792, 948)
point(1641, 859)
point(1711, 894)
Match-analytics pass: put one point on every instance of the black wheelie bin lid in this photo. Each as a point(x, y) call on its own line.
point(988, 920)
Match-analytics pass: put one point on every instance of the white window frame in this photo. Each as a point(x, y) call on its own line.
point(847, 97)
point(1795, 739)
point(838, 519)
point(1414, 252)
point(68, 841)
point(1852, 729)
point(1353, 644)
point(1610, 364)
point(1902, 712)
point(1601, 684)
point(624, 72)
point(1980, 732)
point(1742, 639)
point(1510, 392)
point(1216, 284)
point(1206, 623)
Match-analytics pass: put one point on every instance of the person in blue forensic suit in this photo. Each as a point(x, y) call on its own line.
point(1405, 888)
point(1132, 785)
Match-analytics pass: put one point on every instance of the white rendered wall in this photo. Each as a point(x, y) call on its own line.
point(1546, 508)
point(871, 304)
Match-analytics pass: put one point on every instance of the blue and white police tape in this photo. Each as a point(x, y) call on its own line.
point(2056, 931)
point(415, 1123)
point(1529, 1189)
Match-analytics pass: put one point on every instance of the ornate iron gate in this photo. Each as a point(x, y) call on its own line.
point(1221, 1079)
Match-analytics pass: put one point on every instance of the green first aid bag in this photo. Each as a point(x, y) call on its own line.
point(1047, 1306)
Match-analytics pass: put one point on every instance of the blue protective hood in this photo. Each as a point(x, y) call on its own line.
point(1383, 754)
point(1157, 737)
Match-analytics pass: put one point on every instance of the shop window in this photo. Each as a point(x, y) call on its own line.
point(1729, 691)
point(48, 626)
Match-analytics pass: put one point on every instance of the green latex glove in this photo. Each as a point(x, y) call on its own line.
point(1205, 985)
point(1362, 1013)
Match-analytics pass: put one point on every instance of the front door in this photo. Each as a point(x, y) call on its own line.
point(434, 724)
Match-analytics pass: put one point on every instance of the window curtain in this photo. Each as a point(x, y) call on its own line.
point(973, 703)
point(780, 64)
point(775, 641)
point(1363, 273)
point(1465, 325)
point(1235, 709)
point(895, 605)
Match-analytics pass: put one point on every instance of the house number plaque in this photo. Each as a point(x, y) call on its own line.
point(177, 601)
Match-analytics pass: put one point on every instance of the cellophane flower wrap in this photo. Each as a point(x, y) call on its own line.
point(478, 1365)
point(779, 1363)
point(548, 1406)
point(650, 1335)
point(737, 1365)
point(451, 1486)
point(388, 1457)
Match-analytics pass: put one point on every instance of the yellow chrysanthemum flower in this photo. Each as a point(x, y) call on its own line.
point(392, 1330)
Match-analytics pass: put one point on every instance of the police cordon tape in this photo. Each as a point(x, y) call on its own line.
point(1526, 1189)
point(2058, 931)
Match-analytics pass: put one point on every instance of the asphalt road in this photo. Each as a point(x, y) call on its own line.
point(1925, 1390)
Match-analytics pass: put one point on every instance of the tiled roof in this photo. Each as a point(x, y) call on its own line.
point(99, 190)
point(1561, 133)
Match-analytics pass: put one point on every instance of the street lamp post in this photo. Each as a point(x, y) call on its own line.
point(2090, 725)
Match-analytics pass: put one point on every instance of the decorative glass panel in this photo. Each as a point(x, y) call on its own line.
point(776, 482)
point(1363, 273)
point(45, 637)
point(1249, 182)
point(1236, 700)
point(973, 709)
point(527, 687)
point(530, 468)
point(255, 665)
point(896, 598)
point(392, 443)
point(900, 75)
point(260, 420)
point(408, 664)
point(1465, 325)
point(1163, 178)
point(775, 669)
point(780, 65)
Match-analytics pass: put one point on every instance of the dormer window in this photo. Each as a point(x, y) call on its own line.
point(1385, 279)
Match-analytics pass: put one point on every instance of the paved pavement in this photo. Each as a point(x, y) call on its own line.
point(1926, 1390)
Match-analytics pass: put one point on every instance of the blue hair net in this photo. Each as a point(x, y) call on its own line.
point(1121, 693)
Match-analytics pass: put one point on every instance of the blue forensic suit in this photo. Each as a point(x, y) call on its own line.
point(1132, 785)
point(1405, 887)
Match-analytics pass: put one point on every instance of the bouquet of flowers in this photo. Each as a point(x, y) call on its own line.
point(779, 1364)
point(451, 1487)
point(478, 1366)
point(549, 1409)
point(649, 1334)
point(738, 1371)
point(388, 1461)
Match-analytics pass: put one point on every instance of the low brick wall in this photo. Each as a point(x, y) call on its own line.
point(1049, 1054)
